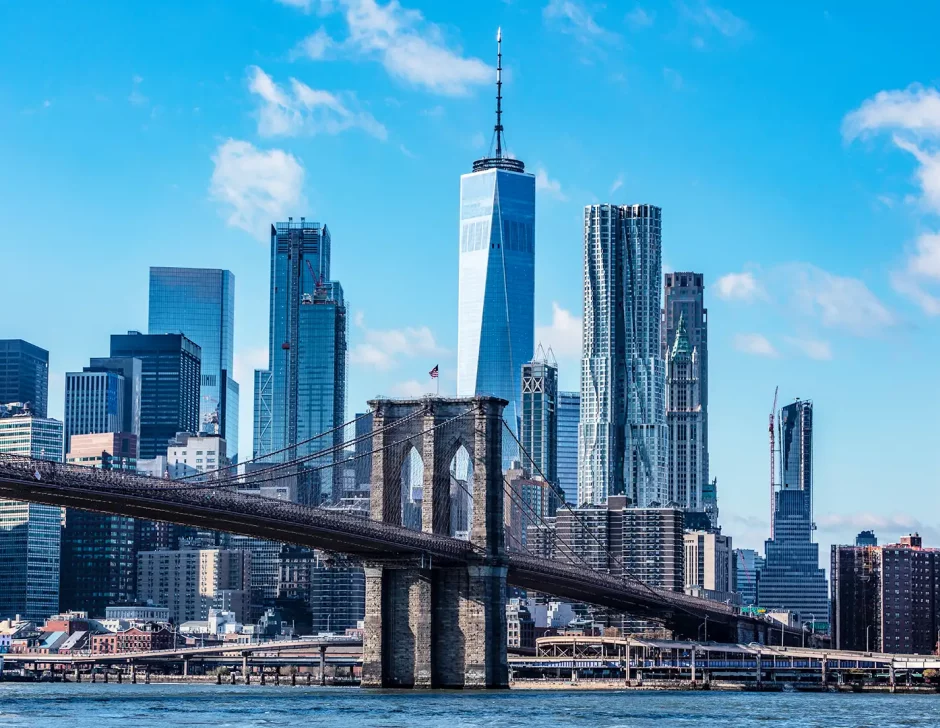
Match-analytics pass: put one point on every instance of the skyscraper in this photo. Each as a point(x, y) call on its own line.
point(569, 417)
point(496, 296)
point(539, 430)
point(29, 533)
point(131, 369)
point(94, 403)
point(200, 303)
point(791, 578)
point(24, 375)
point(169, 395)
point(263, 434)
point(685, 417)
point(685, 306)
point(307, 354)
point(623, 435)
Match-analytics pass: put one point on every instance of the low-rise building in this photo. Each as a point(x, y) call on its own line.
point(136, 639)
point(520, 627)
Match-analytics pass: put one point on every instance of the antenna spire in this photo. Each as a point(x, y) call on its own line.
point(499, 93)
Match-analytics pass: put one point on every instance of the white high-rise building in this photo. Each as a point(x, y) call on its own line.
point(623, 435)
point(685, 414)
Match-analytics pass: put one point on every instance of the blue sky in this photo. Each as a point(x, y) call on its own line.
point(792, 146)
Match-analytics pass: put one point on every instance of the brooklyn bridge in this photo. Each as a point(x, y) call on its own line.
point(435, 612)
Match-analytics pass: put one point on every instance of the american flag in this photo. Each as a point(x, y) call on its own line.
point(433, 372)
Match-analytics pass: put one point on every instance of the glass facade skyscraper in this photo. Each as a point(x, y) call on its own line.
point(539, 430)
point(169, 394)
point(94, 402)
point(791, 578)
point(569, 417)
point(307, 354)
point(263, 434)
point(200, 303)
point(30, 534)
point(496, 293)
point(24, 375)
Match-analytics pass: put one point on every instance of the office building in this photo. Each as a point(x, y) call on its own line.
point(190, 582)
point(200, 304)
point(866, 538)
point(94, 403)
point(710, 502)
point(24, 375)
point(529, 501)
point(685, 417)
point(886, 598)
point(791, 579)
point(748, 564)
point(189, 456)
point(539, 424)
point(363, 451)
point(684, 300)
point(307, 352)
point(332, 587)
point(496, 290)
point(641, 543)
point(169, 393)
point(520, 626)
point(623, 436)
point(100, 550)
point(710, 566)
point(263, 418)
point(30, 534)
point(131, 369)
point(569, 417)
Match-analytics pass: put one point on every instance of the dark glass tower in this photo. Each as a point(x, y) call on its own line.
point(24, 375)
point(169, 397)
point(200, 303)
point(791, 578)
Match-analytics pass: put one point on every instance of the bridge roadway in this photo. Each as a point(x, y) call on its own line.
point(210, 506)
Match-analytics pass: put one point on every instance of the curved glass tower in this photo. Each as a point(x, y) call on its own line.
point(496, 298)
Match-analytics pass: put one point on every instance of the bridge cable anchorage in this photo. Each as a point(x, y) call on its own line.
point(243, 481)
point(624, 571)
point(277, 452)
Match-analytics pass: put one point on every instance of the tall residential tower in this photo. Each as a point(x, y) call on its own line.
point(496, 296)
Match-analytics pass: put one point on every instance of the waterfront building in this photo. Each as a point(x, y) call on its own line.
point(709, 566)
point(748, 565)
point(886, 598)
point(496, 290)
point(190, 582)
point(307, 352)
point(332, 587)
point(539, 425)
point(791, 579)
point(30, 534)
point(684, 301)
point(686, 420)
point(569, 417)
point(623, 434)
point(143, 638)
point(137, 613)
point(24, 375)
point(169, 394)
point(520, 626)
point(200, 303)
point(263, 430)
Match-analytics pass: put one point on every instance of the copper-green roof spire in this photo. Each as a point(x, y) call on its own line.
point(681, 346)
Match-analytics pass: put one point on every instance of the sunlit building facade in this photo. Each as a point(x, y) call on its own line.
point(569, 416)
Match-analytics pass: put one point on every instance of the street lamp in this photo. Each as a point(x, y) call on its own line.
point(867, 647)
point(706, 629)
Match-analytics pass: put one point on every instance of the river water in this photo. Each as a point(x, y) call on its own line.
point(180, 706)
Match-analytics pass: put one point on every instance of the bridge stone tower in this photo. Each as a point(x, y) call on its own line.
point(438, 625)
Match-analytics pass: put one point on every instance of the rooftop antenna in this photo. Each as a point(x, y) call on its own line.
point(499, 93)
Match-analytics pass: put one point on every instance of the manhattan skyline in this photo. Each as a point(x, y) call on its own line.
point(814, 212)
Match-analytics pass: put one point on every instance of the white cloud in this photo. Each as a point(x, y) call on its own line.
point(739, 287)
point(551, 186)
point(315, 47)
point(915, 109)
point(839, 302)
point(617, 184)
point(572, 17)
point(640, 18)
point(755, 344)
point(255, 186)
point(411, 388)
point(813, 348)
point(711, 19)
point(304, 110)
point(673, 78)
point(136, 98)
point(382, 349)
point(410, 48)
point(563, 335)
point(922, 267)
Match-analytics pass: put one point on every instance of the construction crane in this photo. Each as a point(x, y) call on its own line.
point(770, 430)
